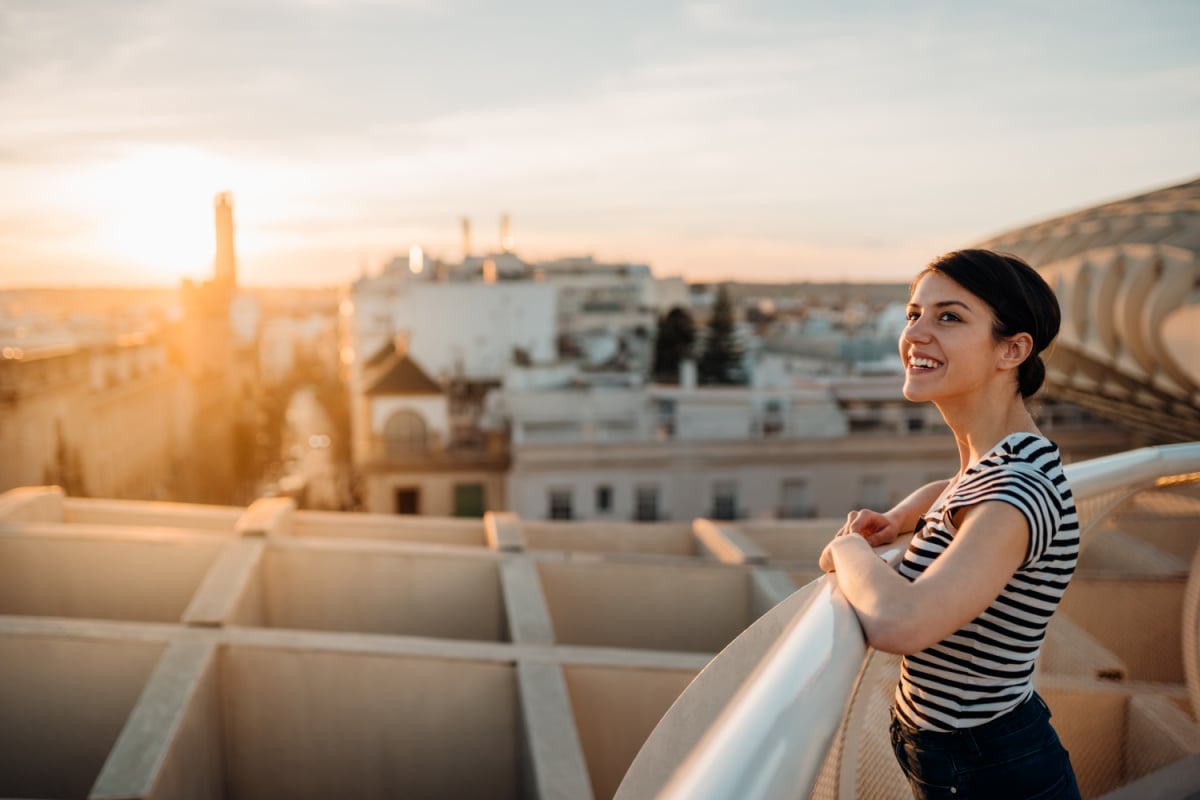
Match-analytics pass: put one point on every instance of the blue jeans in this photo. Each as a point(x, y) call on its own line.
point(1014, 757)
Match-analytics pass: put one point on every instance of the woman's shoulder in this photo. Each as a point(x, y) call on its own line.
point(1024, 458)
point(1022, 449)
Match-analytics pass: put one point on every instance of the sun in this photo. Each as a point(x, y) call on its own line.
point(154, 210)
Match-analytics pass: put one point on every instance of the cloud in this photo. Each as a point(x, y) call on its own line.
point(797, 125)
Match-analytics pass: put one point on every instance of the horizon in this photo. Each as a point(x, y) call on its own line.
point(762, 142)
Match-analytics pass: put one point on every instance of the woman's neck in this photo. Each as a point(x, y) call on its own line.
point(979, 426)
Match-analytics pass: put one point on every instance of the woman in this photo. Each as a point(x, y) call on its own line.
point(994, 547)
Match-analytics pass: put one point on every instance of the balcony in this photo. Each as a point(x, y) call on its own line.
point(779, 713)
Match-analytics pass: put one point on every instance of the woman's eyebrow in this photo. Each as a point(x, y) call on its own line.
point(943, 304)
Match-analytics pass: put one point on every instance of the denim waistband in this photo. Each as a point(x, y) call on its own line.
point(1033, 709)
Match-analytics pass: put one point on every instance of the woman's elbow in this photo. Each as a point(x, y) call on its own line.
point(895, 635)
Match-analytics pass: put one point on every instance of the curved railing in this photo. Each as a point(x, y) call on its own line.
point(772, 737)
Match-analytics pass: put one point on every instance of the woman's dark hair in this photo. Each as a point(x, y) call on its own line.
point(1020, 299)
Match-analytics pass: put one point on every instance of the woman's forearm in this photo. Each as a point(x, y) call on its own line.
point(879, 595)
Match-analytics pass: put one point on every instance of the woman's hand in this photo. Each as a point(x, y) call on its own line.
point(873, 526)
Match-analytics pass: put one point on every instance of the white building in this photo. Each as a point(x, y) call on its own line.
point(496, 388)
point(467, 330)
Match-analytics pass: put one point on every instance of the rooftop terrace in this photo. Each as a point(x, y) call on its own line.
point(152, 650)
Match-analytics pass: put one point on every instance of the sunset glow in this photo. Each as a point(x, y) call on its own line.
point(154, 209)
point(711, 139)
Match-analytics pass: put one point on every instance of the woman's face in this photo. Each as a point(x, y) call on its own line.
point(948, 348)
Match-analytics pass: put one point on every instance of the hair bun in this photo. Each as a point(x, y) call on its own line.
point(1031, 375)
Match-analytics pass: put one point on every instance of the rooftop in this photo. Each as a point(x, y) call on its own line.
point(149, 648)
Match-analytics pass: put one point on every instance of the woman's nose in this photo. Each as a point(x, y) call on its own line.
point(916, 331)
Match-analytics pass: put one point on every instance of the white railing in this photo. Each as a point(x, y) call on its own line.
point(771, 739)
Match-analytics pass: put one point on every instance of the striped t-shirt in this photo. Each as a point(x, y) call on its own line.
point(984, 669)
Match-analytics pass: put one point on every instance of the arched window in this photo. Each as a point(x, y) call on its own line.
point(404, 433)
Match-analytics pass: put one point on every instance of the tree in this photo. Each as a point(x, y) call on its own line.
point(673, 343)
point(721, 362)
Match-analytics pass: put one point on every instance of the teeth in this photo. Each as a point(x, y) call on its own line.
point(927, 363)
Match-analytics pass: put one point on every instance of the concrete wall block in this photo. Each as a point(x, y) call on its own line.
point(727, 544)
point(172, 723)
point(32, 504)
point(558, 768)
point(695, 710)
point(226, 584)
point(616, 709)
point(341, 587)
point(503, 531)
point(267, 516)
point(1160, 733)
point(528, 615)
point(64, 700)
point(769, 586)
point(304, 723)
point(1070, 650)
point(647, 605)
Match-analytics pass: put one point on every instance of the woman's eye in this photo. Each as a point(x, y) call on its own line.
point(911, 316)
point(948, 317)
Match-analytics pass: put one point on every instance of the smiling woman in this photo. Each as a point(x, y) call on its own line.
point(153, 210)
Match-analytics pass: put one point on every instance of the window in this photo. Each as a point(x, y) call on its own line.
point(404, 433)
point(645, 506)
point(604, 497)
point(724, 500)
point(795, 501)
point(560, 504)
point(408, 501)
point(468, 500)
point(772, 418)
point(665, 412)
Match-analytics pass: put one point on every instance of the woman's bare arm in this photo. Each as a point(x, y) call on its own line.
point(899, 616)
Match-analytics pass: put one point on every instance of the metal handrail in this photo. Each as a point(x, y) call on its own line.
point(771, 739)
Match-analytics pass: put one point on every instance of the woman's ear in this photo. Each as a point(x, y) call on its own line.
point(1014, 350)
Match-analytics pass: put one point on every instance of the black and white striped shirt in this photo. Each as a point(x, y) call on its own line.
point(984, 669)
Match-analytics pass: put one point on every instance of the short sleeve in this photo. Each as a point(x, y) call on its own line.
point(1024, 488)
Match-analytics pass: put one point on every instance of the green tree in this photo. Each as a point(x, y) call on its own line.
point(673, 343)
point(721, 362)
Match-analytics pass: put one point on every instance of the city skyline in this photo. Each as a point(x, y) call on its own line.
point(714, 140)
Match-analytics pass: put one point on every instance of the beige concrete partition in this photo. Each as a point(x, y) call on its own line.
point(1165, 519)
point(376, 587)
point(1118, 733)
point(691, 715)
point(192, 516)
point(793, 541)
point(101, 572)
point(65, 694)
point(32, 504)
point(389, 527)
point(1137, 617)
point(615, 710)
point(692, 607)
point(303, 722)
point(280, 714)
point(726, 543)
point(170, 747)
point(643, 538)
point(1113, 550)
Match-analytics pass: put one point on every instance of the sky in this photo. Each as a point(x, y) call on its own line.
point(758, 140)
